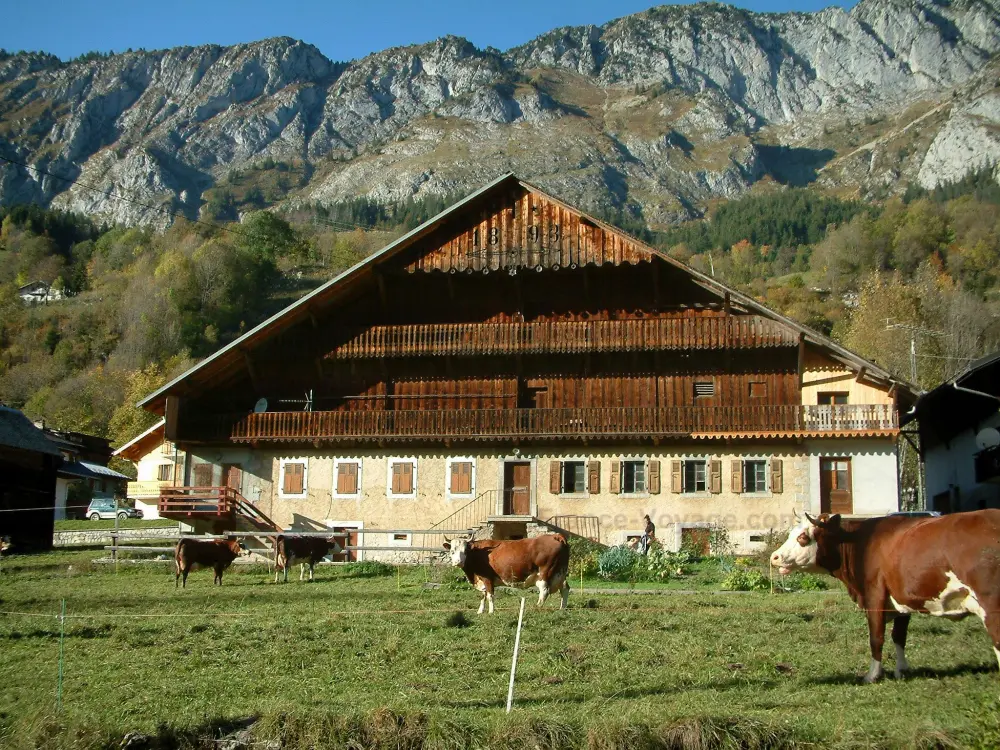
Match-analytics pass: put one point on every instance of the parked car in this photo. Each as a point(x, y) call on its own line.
point(916, 513)
point(105, 508)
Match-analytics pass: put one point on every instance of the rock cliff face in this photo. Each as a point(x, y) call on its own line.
point(657, 112)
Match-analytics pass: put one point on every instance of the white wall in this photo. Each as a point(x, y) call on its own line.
point(874, 479)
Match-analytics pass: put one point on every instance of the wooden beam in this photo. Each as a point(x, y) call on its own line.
point(861, 374)
point(727, 303)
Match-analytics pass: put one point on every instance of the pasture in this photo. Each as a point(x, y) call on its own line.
point(353, 660)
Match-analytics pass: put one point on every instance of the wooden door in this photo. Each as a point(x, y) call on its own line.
point(835, 486)
point(517, 488)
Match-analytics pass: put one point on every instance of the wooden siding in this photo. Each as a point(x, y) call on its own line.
point(522, 231)
point(567, 337)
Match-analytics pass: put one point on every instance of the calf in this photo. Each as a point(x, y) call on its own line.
point(541, 561)
point(304, 549)
point(217, 554)
point(895, 566)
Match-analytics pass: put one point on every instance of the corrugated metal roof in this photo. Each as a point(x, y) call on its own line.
point(89, 470)
point(17, 431)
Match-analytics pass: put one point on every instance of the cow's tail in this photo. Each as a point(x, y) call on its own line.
point(178, 561)
point(562, 561)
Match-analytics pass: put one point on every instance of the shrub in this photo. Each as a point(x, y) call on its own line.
point(805, 582)
point(617, 563)
point(583, 556)
point(742, 579)
point(662, 564)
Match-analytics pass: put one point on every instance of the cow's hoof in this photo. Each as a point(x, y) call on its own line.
point(901, 674)
point(870, 679)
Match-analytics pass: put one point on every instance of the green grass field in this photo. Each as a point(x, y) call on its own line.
point(371, 662)
point(109, 523)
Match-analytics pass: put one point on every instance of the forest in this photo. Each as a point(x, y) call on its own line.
point(140, 306)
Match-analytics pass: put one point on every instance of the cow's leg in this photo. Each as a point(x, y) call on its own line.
point(992, 622)
point(489, 594)
point(481, 586)
point(312, 570)
point(184, 579)
point(565, 594)
point(177, 576)
point(302, 572)
point(543, 591)
point(899, 627)
point(876, 638)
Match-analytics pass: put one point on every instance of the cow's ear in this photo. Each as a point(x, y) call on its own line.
point(446, 545)
point(834, 521)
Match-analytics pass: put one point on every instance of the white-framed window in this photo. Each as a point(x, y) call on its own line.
point(401, 478)
point(346, 477)
point(164, 472)
point(399, 540)
point(573, 478)
point(755, 475)
point(293, 478)
point(460, 476)
point(694, 475)
point(633, 477)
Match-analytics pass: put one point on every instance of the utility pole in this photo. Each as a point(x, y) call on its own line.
point(914, 332)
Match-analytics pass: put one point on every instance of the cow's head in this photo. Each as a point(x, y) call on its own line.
point(334, 546)
point(808, 546)
point(238, 548)
point(458, 549)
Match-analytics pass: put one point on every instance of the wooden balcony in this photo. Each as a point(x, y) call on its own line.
point(497, 424)
point(566, 337)
point(222, 505)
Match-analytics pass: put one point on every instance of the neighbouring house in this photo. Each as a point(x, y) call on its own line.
point(159, 465)
point(28, 465)
point(38, 292)
point(84, 473)
point(515, 365)
point(959, 425)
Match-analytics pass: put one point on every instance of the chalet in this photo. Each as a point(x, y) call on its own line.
point(959, 426)
point(28, 465)
point(515, 363)
point(38, 292)
point(85, 464)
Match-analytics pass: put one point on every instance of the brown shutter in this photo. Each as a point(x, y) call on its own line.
point(461, 478)
point(293, 479)
point(594, 477)
point(715, 468)
point(654, 477)
point(675, 477)
point(347, 479)
point(737, 476)
point(555, 468)
point(777, 480)
point(616, 477)
point(396, 484)
point(352, 485)
point(406, 478)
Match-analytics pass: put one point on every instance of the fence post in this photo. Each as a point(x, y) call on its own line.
point(62, 642)
point(513, 664)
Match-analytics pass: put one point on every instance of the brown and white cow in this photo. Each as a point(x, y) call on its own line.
point(895, 566)
point(217, 554)
point(541, 561)
point(307, 550)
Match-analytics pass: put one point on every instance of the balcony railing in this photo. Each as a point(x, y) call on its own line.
point(566, 337)
point(486, 424)
point(146, 488)
point(210, 503)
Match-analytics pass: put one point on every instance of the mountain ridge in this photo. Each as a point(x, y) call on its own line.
point(660, 113)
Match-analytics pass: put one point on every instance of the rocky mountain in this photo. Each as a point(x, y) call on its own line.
point(657, 113)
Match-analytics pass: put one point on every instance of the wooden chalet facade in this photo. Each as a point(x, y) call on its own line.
point(513, 359)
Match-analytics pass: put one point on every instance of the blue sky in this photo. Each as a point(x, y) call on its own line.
point(342, 30)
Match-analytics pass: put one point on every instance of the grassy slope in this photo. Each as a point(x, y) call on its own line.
point(304, 656)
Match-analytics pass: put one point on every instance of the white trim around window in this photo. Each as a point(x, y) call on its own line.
point(305, 477)
point(388, 477)
point(447, 477)
point(337, 463)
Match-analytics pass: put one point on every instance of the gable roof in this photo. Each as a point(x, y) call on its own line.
point(17, 431)
point(142, 443)
point(301, 308)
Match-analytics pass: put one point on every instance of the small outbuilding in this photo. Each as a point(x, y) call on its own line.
point(29, 462)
